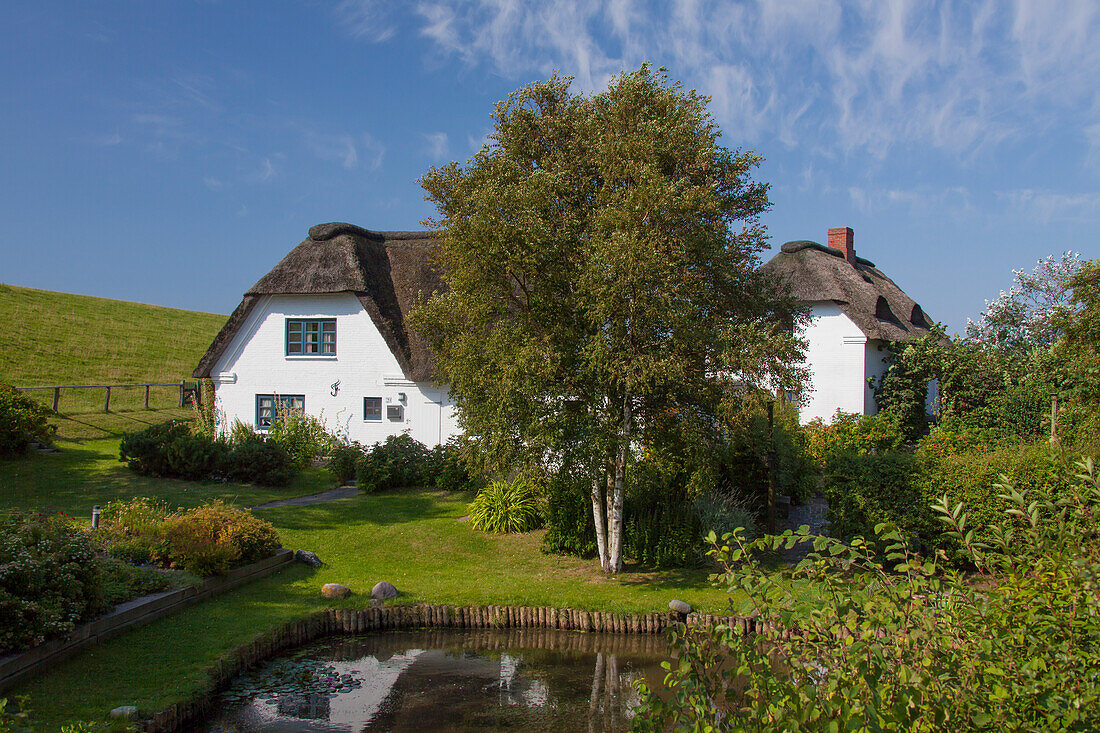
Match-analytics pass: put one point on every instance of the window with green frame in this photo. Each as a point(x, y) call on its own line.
point(311, 337)
point(372, 409)
point(269, 406)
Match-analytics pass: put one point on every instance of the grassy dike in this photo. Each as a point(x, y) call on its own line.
point(417, 539)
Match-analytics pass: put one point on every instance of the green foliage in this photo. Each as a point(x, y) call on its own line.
point(22, 420)
point(661, 528)
point(866, 490)
point(852, 433)
point(570, 528)
point(902, 392)
point(49, 581)
point(398, 461)
point(1079, 353)
point(124, 581)
point(723, 510)
point(212, 538)
point(600, 255)
point(451, 465)
point(305, 437)
point(259, 460)
point(862, 638)
point(342, 460)
point(505, 507)
point(173, 449)
point(15, 715)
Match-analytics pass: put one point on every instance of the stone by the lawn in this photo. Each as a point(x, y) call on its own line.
point(383, 591)
point(377, 603)
point(308, 558)
point(335, 590)
point(125, 712)
point(679, 607)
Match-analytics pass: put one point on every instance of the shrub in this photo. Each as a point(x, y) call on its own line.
point(259, 460)
point(399, 461)
point(49, 580)
point(866, 490)
point(449, 467)
point(196, 457)
point(122, 581)
point(342, 461)
point(303, 436)
point(506, 507)
point(889, 641)
point(212, 538)
point(570, 529)
point(22, 420)
point(660, 525)
point(723, 510)
point(849, 432)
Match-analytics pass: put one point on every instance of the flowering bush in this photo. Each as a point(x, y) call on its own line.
point(212, 538)
point(861, 434)
point(49, 580)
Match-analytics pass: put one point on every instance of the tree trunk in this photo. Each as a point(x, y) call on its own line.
point(615, 526)
point(599, 517)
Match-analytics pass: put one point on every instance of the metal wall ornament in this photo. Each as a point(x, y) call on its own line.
point(335, 388)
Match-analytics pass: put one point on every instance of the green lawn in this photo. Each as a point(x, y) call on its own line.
point(416, 539)
point(60, 338)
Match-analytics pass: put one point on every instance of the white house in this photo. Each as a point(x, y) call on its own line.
point(325, 332)
point(855, 310)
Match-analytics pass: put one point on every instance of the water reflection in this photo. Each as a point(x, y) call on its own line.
point(449, 680)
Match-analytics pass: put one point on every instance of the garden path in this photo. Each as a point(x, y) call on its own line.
point(343, 492)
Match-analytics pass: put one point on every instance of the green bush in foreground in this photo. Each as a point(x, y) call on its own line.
point(892, 641)
point(22, 420)
point(506, 507)
point(49, 580)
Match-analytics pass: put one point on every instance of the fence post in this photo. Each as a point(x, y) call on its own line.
point(56, 398)
point(107, 400)
point(147, 397)
point(181, 393)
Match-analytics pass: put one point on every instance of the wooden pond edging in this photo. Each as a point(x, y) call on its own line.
point(338, 622)
point(15, 668)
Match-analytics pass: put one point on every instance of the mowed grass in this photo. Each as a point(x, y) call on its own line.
point(418, 539)
point(59, 338)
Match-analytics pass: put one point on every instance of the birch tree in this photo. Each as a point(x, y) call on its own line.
point(600, 254)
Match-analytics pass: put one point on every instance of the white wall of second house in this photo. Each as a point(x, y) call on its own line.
point(837, 356)
point(255, 362)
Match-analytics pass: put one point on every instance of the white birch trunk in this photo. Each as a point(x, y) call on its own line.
point(599, 518)
point(615, 526)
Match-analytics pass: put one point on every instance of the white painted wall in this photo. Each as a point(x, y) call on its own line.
point(837, 355)
point(255, 362)
point(874, 366)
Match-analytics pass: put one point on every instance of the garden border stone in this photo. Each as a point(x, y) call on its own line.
point(15, 668)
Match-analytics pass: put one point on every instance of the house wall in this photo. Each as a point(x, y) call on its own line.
point(255, 362)
point(837, 356)
point(874, 366)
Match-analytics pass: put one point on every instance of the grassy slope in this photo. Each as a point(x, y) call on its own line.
point(58, 338)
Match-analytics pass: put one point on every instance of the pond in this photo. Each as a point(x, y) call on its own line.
point(447, 680)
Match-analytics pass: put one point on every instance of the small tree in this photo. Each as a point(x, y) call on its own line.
point(601, 258)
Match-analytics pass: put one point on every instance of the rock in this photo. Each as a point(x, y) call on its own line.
point(679, 607)
point(307, 557)
point(383, 591)
point(377, 603)
point(335, 590)
point(125, 712)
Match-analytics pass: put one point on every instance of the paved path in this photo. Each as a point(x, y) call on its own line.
point(344, 492)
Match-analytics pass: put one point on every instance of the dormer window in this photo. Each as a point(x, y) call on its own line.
point(311, 337)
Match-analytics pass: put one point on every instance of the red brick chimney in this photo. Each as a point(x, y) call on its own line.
point(841, 238)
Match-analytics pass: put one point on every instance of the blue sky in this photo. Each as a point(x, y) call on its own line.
point(173, 152)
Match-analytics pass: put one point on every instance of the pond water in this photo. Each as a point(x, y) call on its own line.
point(447, 680)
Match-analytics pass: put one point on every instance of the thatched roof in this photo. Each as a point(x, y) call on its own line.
point(387, 271)
point(875, 304)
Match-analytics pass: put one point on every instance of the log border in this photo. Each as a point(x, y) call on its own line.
point(340, 622)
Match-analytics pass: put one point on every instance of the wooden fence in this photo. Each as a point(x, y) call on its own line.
point(187, 391)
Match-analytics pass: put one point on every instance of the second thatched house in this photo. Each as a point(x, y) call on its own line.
point(855, 310)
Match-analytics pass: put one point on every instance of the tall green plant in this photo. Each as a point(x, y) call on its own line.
point(505, 507)
point(861, 639)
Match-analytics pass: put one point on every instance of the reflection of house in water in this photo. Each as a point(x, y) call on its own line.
point(308, 706)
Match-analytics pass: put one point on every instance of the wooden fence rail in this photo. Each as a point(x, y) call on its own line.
point(185, 388)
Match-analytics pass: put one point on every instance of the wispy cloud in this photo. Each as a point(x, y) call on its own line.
point(437, 145)
point(954, 200)
point(366, 19)
point(1047, 206)
point(348, 150)
point(958, 76)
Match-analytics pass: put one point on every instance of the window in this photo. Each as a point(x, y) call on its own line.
point(266, 410)
point(311, 337)
point(372, 409)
